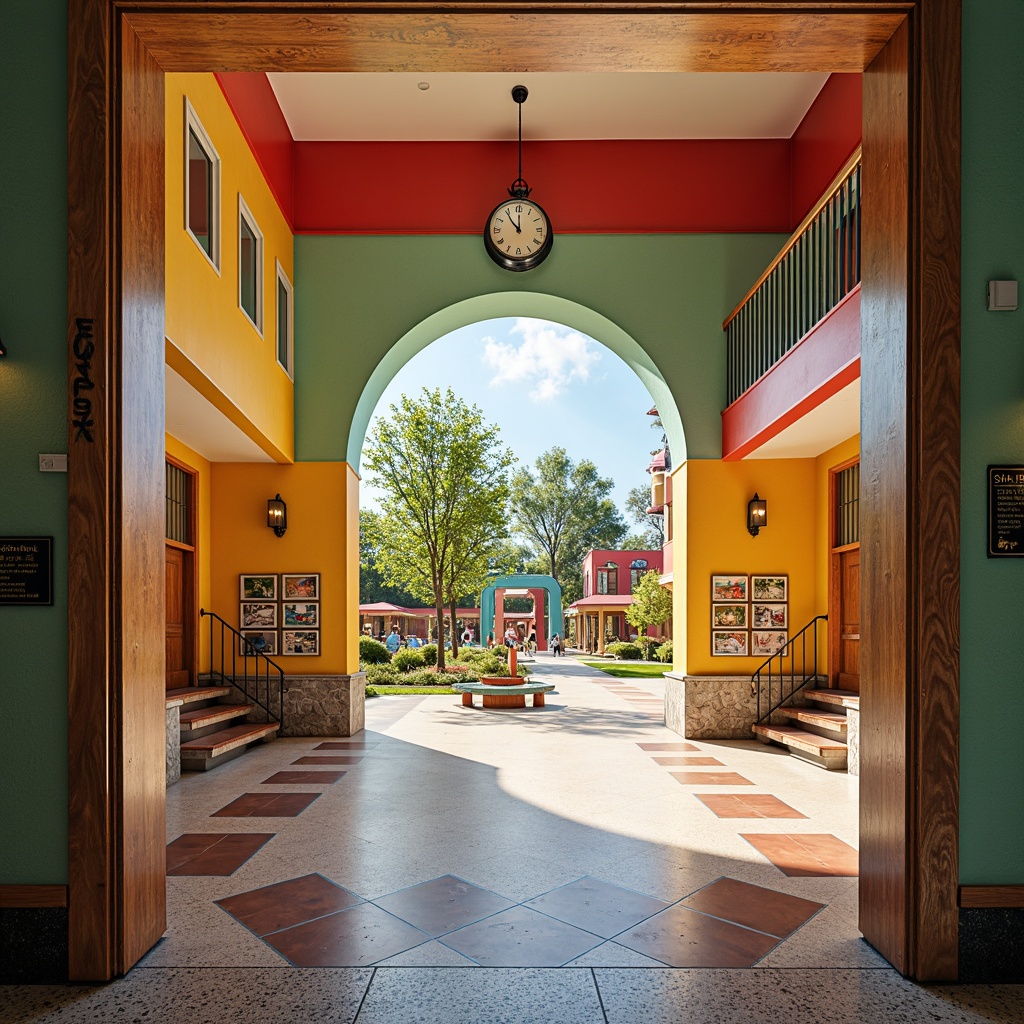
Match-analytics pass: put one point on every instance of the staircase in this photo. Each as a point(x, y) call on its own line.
point(819, 729)
point(212, 731)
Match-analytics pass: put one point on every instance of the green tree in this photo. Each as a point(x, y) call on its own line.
point(372, 587)
point(638, 500)
point(652, 605)
point(444, 480)
point(562, 510)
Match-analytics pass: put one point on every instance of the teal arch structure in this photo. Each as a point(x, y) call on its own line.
point(494, 306)
point(522, 581)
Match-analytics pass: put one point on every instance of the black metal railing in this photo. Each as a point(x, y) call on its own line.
point(787, 671)
point(235, 660)
point(816, 269)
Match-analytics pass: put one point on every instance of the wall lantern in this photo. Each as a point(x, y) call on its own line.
point(757, 514)
point(3, 351)
point(277, 515)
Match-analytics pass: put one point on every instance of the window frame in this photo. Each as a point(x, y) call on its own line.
point(245, 216)
point(193, 126)
point(282, 279)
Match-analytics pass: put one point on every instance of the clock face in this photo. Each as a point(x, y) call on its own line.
point(518, 235)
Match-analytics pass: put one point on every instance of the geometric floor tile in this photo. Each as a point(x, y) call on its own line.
point(809, 856)
point(286, 904)
point(747, 805)
point(213, 853)
point(521, 937)
point(710, 779)
point(443, 904)
point(347, 745)
point(329, 759)
point(676, 747)
point(753, 906)
point(597, 906)
point(355, 937)
point(266, 805)
point(690, 762)
point(683, 938)
point(302, 778)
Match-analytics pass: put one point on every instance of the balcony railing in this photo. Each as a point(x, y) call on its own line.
point(817, 268)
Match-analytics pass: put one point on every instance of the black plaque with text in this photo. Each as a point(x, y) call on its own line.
point(1006, 511)
point(26, 570)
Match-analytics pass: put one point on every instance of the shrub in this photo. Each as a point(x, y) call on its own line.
point(407, 660)
point(646, 645)
point(624, 651)
point(371, 692)
point(383, 675)
point(664, 652)
point(429, 652)
point(372, 652)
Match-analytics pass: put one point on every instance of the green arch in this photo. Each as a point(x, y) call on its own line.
point(528, 580)
point(494, 306)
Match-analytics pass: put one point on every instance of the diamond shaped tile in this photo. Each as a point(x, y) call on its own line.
point(597, 906)
point(808, 855)
point(443, 904)
point(266, 805)
point(213, 853)
point(747, 805)
point(753, 906)
point(289, 903)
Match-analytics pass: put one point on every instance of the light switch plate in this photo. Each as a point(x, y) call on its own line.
point(53, 463)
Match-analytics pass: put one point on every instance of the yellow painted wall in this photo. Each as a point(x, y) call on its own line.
point(679, 533)
point(717, 541)
point(196, 462)
point(212, 343)
point(322, 537)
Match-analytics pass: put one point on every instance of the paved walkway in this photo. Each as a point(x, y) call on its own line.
point(572, 863)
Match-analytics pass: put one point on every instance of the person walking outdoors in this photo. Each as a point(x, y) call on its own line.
point(393, 642)
point(556, 646)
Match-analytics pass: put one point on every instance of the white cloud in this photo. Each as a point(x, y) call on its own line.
point(547, 358)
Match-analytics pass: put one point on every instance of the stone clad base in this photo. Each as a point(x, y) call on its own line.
point(710, 707)
point(173, 748)
point(324, 705)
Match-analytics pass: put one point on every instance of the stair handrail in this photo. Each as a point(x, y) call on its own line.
point(775, 669)
point(263, 669)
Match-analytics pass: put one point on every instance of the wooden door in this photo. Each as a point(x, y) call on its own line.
point(177, 614)
point(847, 676)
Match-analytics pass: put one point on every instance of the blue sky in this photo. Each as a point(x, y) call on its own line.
point(544, 385)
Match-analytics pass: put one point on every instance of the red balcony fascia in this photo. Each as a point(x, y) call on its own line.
point(824, 361)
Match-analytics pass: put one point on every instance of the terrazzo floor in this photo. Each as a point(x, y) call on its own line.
point(577, 862)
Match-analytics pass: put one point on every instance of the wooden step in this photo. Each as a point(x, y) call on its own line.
point(834, 721)
point(843, 698)
point(207, 752)
point(192, 721)
point(192, 694)
point(820, 750)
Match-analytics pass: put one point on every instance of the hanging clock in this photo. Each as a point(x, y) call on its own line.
point(518, 235)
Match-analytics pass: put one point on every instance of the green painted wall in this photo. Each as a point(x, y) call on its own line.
point(660, 298)
point(33, 381)
point(992, 590)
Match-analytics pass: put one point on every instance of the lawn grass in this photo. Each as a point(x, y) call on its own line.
point(390, 691)
point(629, 669)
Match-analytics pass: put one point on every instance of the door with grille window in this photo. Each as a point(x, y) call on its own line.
point(844, 591)
point(180, 576)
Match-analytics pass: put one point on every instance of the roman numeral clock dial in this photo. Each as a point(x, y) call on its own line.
point(517, 235)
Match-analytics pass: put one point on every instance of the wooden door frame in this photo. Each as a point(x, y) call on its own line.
point(834, 572)
point(910, 51)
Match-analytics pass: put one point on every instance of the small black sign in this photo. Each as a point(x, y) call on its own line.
point(26, 570)
point(1006, 511)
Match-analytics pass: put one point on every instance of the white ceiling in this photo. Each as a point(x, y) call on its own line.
point(836, 419)
point(471, 106)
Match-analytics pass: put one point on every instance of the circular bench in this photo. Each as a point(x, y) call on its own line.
point(503, 695)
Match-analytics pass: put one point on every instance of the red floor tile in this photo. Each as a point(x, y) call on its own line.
point(753, 906)
point(710, 779)
point(813, 855)
point(329, 759)
point(668, 746)
point(347, 745)
point(266, 805)
point(285, 904)
point(302, 779)
point(747, 805)
point(213, 853)
point(690, 762)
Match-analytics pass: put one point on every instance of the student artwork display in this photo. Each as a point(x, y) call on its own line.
point(749, 615)
point(279, 615)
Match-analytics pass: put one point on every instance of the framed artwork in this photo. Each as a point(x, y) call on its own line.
point(766, 642)
point(257, 615)
point(258, 641)
point(770, 588)
point(303, 586)
point(301, 642)
point(729, 587)
point(770, 616)
point(299, 614)
point(258, 587)
point(728, 616)
point(730, 643)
